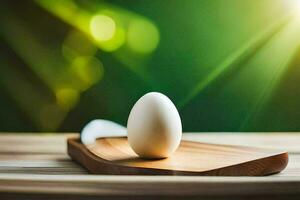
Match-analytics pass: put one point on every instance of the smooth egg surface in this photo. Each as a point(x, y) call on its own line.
point(154, 126)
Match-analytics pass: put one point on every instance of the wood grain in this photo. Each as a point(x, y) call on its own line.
point(64, 179)
point(114, 156)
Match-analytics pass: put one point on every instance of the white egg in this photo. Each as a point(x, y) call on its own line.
point(154, 126)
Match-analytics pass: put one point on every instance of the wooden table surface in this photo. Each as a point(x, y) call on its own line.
point(35, 166)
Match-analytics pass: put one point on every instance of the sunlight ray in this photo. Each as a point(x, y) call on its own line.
point(237, 58)
point(288, 42)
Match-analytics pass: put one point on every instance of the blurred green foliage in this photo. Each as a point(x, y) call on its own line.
point(228, 65)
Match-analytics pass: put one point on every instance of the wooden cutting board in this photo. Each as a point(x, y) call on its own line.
point(114, 156)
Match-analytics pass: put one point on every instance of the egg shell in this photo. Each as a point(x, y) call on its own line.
point(154, 126)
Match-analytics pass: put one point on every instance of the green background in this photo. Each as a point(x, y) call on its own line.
point(228, 65)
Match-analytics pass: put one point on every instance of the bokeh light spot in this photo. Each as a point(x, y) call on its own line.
point(67, 98)
point(102, 27)
point(77, 44)
point(115, 43)
point(143, 36)
point(88, 69)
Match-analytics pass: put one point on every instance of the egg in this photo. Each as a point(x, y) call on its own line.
point(154, 126)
